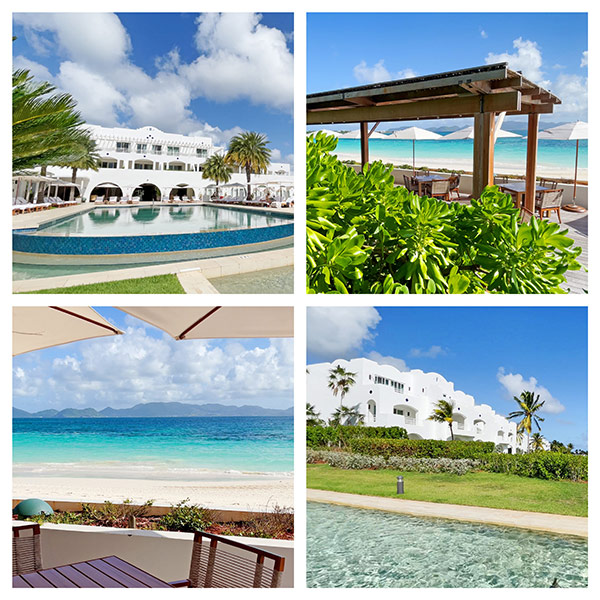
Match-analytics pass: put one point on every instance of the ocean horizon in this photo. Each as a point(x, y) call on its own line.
point(172, 448)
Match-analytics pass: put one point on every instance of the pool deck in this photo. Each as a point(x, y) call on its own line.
point(561, 524)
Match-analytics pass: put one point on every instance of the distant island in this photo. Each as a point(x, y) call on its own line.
point(158, 409)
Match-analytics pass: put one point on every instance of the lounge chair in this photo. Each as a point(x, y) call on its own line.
point(547, 201)
point(135, 200)
point(26, 550)
point(113, 199)
point(99, 200)
point(440, 188)
point(226, 563)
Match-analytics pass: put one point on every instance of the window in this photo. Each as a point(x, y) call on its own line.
point(398, 411)
point(157, 149)
point(175, 168)
point(202, 152)
point(122, 146)
point(143, 166)
point(105, 164)
point(141, 148)
point(173, 151)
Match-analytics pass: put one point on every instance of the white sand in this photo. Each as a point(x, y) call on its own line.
point(246, 493)
point(467, 165)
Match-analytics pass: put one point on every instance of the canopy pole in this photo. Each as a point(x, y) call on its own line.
point(483, 152)
point(532, 147)
point(414, 171)
point(574, 207)
point(364, 144)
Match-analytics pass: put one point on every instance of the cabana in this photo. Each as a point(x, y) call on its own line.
point(480, 92)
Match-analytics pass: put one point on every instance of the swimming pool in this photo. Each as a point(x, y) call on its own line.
point(350, 547)
point(134, 234)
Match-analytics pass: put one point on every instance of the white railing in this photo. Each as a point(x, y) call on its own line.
point(460, 426)
point(410, 420)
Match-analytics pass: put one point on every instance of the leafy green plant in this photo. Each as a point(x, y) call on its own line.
point(339, 436)
point(109, 514)
point(186, 517)
point(541, 465)
point(420, 448)
point(62, 518)
point(366, 236)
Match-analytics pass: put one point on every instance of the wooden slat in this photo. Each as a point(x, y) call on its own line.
point(97, 575)
point(36, 580)
point(57, 579)
point(364, 144)
point(135, 572)
point(19, 582)
point(483, 152)
point(123, 578)
point(78, 578)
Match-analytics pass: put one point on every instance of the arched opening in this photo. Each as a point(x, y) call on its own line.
point(459, 421)
point(106, 191)
point(108, 162)
point(414, 436)
point(143, 164)
point(176, 165)
point(408, 412)
point(181, 192)
point(147, 192)
point(371, 411)
point(479, 425)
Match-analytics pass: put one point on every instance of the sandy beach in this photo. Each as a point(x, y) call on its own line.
point(245, 493)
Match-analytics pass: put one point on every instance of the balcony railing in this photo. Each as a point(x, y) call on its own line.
point(460, 426)
point(410, 420)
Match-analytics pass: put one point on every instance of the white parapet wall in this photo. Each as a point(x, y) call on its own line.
point(164, 554)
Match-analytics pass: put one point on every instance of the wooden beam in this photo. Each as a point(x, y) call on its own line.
point(483, 152)
point(364, 144)
point(532, 144)
point(509, 82)
point(464, 106)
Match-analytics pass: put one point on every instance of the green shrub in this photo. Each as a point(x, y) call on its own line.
point(110, 514)
point(366, 236)
point(318, 436)
point(541, 465)
point(186, 517)
point(420, 448)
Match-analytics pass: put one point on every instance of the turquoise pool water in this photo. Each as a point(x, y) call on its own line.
point(348, 547)
point(148, 220)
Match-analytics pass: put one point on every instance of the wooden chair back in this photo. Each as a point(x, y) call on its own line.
point(26, 550)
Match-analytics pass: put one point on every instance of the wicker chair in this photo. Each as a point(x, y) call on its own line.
point(26, 550)
point(440, 189)
point(549, 183)
point(226, 563)
point(547, 201)
point(454, 185)
point(410, 184)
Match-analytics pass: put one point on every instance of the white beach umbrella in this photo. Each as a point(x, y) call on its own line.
point(355, 135)
point(208, 322)
point(468, 133)
point(414, 133)
point(577, 130)
point(327, 132)
point(38, 327)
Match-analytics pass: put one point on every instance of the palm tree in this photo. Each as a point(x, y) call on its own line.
point(570, 448)
point(442, 413)
point(249, 151)
point(340, 382)
point(88, 160)
point(47, 130)
point(217, 169)
point(530, 405)
point(556, 446)
point(537, 442)
point(347, 415)
point(313, 418)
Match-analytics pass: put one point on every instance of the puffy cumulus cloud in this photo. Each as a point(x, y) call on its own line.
point(515, 383)
point(432, 352)
point(363, 73)
point(133, 368)
point(333, 332)
point(573, 92)
point(240, 58)
point(220, 137)
point(399, 363)
point(584, 59)
point(38, 70)
point(527, 58)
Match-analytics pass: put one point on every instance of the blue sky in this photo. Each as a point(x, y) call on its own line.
point(204, 74)
point(491, 353)
point(550, 49)
point(147, 365)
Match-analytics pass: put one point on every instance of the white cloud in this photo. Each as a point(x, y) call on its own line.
point(219, 136)
point(36, 69)
point(332, 332)
point(399, 363)
point(527, 59)
point(483, 34)
point(573, 92)
point(378, 72)
point(515, 384)
point(584, 59)
point(125, 370)
point(432, 352)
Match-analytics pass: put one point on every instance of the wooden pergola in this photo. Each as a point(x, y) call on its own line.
point(480, 92)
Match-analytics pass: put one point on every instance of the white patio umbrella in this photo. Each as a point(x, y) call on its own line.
point(327, 132)
point(569, 131)
point(208, 322)
point(355, 135)
point(414, 133)
point(468, 133)
point(38, 327)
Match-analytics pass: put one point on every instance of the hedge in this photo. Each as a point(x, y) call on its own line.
point(339, 436)
point(420, 448)
point(541, 465)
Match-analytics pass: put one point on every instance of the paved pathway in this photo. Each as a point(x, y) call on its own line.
point(562, 524)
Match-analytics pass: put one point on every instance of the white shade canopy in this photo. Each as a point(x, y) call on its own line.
point(577, 130)
point(208, 322)
point(327, 132)
point(38, 327)
point(355, 135)
point(414, 133)
point(468, 133)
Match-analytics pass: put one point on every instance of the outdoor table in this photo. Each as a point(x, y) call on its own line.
point(107, 572)
point(518, 188)
point(423, 180)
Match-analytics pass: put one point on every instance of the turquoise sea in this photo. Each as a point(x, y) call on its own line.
point(509, 151)
point(154, 448)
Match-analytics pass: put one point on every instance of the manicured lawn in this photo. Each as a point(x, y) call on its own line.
point(493, 490)
point(157, 284)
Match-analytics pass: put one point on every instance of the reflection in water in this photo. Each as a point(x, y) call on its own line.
point(104, 215)
point(183, 212)
point(145, 214)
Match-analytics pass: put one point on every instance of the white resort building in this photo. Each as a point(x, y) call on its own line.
point(388, 397)
point(155, 165)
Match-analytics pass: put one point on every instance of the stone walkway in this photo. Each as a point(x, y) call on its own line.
point(562, 524)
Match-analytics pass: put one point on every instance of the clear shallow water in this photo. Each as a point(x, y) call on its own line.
point(156, 448)
point(554, 154)
point(349, 547)
point(272, 281)
point(147, 220)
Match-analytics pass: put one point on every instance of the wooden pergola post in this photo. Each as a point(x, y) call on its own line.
point(532, 145)
point(483, 152)
point(364, 143)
